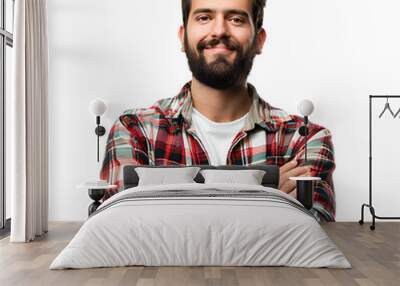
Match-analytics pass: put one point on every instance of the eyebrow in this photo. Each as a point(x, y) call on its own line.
point(227, 11)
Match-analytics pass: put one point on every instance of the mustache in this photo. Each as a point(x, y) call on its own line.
point(214, 42)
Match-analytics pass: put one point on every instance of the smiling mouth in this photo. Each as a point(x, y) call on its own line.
point(219, 49)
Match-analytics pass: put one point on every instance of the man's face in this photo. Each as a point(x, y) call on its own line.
point(220, 42)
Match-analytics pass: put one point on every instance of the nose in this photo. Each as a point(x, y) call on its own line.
point(219, 28)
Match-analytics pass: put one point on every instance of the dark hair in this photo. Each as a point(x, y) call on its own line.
point(257, 12)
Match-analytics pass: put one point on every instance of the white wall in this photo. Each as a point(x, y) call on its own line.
point(335, 53)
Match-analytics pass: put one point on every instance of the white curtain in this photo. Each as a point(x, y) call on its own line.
point(29, 123)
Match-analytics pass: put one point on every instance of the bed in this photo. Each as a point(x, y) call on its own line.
point(201, 223)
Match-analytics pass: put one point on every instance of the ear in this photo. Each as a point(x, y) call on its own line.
point(262, 36)
point(181, 35)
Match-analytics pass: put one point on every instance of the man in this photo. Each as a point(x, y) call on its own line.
point(218, 118)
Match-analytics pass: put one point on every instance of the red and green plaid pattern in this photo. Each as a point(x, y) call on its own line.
point(162, 135)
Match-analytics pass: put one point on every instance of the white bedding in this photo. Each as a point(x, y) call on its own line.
point(185, 230)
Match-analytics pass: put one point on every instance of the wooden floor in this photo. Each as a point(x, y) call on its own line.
point(374, 255)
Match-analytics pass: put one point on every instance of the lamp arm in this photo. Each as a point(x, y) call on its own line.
point(100, 131)
point(304, 132)
point(305, 120)
point(98, 137)
point(305, 146)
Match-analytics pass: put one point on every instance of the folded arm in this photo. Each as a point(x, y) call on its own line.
point(320, 157)
point(126, 145)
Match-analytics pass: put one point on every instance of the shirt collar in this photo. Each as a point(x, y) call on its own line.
point(260, 113)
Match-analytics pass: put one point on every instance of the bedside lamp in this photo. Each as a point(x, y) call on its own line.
point(304, 185)
point(97, 107)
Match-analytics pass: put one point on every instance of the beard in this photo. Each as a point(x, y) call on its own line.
point(220, 73)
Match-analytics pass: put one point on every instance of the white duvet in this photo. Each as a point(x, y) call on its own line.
point(203, 231)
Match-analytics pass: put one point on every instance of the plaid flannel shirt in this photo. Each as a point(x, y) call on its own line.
point(162, 135)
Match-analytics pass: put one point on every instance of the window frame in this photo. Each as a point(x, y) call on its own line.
point(6, 39)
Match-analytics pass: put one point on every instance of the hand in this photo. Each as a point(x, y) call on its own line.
point(290, 170)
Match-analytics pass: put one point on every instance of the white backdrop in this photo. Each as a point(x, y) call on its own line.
point(126, 52)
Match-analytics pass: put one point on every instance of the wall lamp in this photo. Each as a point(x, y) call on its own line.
point(97, 107)
point(305, 185)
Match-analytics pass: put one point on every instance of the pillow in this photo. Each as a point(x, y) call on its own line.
point(162, 176)
point(249, 177)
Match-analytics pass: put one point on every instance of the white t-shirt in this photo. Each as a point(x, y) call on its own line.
point(217, 137)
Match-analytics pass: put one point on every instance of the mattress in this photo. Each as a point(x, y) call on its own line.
point(201, 225)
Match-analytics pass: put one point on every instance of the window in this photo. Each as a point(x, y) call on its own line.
point(6, 44)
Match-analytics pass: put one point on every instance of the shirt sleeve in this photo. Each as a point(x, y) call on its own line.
point(126, 145)
point(320, 156)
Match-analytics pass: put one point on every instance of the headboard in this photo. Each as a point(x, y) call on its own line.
point(270, 179)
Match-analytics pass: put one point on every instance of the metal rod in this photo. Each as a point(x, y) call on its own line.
point(305, 154)
point(387, 217)
point(384, 96)
point(98, 138)
point(370, 150)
